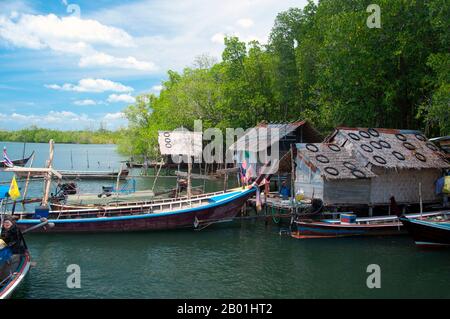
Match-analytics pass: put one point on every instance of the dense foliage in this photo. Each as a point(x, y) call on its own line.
point(40, 135)
point(321, 63)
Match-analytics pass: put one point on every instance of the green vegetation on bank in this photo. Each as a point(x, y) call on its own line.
point(40, 135)
point(321, 63)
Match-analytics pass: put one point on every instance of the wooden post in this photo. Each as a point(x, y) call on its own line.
point(87, 158)
point(225, 182)
point(71, 159)
point(189, 186)
point(48, 176)
point(420, 198)
point(118, 179)
point(27, 182)
point(292, 172)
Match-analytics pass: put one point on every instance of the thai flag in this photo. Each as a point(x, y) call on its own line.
point(6, 159)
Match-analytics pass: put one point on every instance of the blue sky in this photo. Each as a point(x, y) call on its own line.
point(73, 64)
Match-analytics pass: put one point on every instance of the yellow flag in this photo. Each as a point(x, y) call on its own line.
point(14, 192)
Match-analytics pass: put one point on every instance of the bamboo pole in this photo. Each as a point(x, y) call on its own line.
point(420, 198)
point(48, 180)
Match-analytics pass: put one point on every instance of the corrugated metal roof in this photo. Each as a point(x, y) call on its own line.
point(266, 134)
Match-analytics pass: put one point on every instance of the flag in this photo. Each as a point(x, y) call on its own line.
point(14, 192)
point(6, 159)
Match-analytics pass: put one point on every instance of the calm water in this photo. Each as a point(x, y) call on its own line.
point(240, 260)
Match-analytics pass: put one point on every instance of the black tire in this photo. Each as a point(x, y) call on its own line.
point(421, 157)
point(334, 147)
point(376, 145)
point(366, 148)
point(312, 148)
point(432, 147)
point(354, 137)
point(323, 159)
point(421, 137)
point(358, 174)
point(331, 171)
point(399, 156)
point(401, 137)
point(350, 166)
point(409, 146)
point(373, 132)
point(384, 144)
point(380, 160)
point(364, 134)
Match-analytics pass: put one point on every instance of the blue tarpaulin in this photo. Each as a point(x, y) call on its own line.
point(5, 255)
point(4, 189)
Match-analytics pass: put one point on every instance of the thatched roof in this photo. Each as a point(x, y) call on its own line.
point(333, 161)
point(266, 134)
point(351, 153)
point(389, 148)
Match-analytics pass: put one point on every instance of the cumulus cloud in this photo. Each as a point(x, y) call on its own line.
point(245, 23)
point(92, 85)
point(71, 35)
point(157, 88)
point(85, 102)
point(121, 98)
point(102, 59)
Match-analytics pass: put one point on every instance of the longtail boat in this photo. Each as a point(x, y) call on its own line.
point(429, 232)
point(18, 162)
point(366, 226)
point(80, 175)
point(14, 275)
point(161, 214)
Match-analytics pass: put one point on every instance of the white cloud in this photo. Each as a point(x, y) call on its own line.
point(102, 59)
point(114, 116)
point(85, 102)
point(72, 35)
point(245, 23)
point(121, 98)
point(92, 85)
point(157, 88)
point(218, 38)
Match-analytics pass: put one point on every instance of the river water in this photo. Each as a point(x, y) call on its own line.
point(245, 259)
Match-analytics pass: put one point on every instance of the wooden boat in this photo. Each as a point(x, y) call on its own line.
point(19, 162)
point(429, 231)
point(80, 175)
point(368, 226)
point(99, 199)
point(18, 269)
point(144, 216)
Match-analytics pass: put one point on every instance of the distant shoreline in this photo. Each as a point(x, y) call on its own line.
point(41, 135)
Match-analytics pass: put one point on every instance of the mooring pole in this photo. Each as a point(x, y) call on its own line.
point(48, 179)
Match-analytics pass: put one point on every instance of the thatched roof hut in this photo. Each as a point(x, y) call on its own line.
point(367, 166)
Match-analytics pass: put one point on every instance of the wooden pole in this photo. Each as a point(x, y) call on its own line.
point(48, 176)
point(71, 159)
point(87, 158)
point(118, 179)
point(189, 186)
point(27, 182)
point(24, 146)
point(292, 171)
point(420, 198)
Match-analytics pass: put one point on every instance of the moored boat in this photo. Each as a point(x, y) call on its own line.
point(18, 162)
point(142, 216)
point(366, 226)
point(429, 231)
point(14, 274)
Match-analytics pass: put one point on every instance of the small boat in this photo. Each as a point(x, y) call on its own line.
point(160, 214)
point(434, 231)
point(366, 226)
point(20, 162)
point(15, 274)
point(80, 175)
